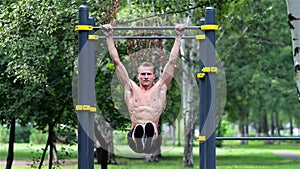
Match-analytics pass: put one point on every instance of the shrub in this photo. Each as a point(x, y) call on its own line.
point(3, 135)
point(22, 133)
point(120, 138)
point(221, 131)
point(37, 137)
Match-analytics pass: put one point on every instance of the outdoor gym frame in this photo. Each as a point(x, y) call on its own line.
point(86, 105)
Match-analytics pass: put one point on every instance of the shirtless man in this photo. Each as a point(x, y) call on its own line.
point(145, 101)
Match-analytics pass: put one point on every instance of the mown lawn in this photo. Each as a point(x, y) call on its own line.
point(231, 156)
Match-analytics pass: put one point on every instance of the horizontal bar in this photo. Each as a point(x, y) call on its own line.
point(257, 138)
point(148, 37)
point(146, 27)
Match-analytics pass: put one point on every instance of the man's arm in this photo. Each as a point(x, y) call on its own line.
point(119, 67)
point(168, 72)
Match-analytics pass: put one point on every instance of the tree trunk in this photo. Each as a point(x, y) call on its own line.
point(110, 150)
point(178, 130)
point(266, 129)
point(190, 99)
point(10, 156)
point(272, 124)
point(51, 138)
point(294, 23)
point(173, 127)
point(242, 131)
point(188, 121)
point(291, 127)
point(258, 129)
point(243, 126)
point(278, 125)
point(247, 127)
point(44, 153)
point(188, 149)
point(247, 124)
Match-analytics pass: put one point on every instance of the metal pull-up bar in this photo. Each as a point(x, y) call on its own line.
point(151, 37)
point(119, 28)
point(147, 28)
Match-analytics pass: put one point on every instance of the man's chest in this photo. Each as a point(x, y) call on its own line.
point(154, 97)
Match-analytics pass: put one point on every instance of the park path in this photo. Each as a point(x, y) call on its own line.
point(16, 163)
point(20, 163)
point(288, 155)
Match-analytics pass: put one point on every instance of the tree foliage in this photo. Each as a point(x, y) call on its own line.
point(37, 57)
point(258, 67)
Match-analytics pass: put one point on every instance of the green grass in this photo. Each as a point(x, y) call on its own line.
point(231, 156)
point(31, 152)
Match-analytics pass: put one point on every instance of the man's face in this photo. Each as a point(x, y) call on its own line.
point(146, 76)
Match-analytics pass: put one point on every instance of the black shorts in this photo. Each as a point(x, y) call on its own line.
point(141, 140)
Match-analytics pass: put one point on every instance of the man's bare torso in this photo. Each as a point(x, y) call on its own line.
point(145, 105)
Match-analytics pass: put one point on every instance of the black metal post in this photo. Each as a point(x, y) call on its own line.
point(211, 117)
point(91, 94)
point(208, 94)
point(83, 99)
point(203, 102)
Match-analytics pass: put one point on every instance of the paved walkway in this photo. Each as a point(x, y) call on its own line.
point(21, 163)
point(287, 155)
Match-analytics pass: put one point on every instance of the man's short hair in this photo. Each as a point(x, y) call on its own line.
point(146, 64)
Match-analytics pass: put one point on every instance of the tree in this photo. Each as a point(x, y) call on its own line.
point(294, 24)
point(255, 56)
point(38, 55)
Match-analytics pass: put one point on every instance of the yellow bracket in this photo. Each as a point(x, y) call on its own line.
point(200, 37)
point(93, 109)
point(83, 28)
point(93, 37)
point(83, 107)
point(86, 108)
point(210, 69)
point(209, 27)
point(206, 69)
point(214, 69)
point(201, 138)
point(200, 75)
